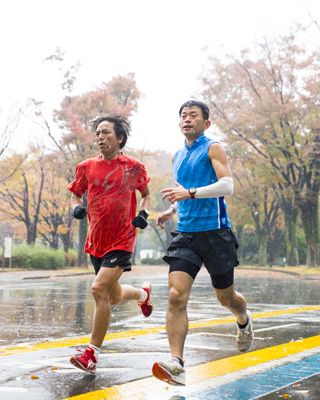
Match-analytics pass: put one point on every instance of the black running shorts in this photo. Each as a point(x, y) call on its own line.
point(216, 249)
point(113, 259)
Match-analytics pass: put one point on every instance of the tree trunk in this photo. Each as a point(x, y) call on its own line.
point(274, 244)
point(290, 212)
point(262, 243)
point(291, 236)
point(239, 235)
point(153, 226)
point(310, 223)
point(67, 237)
point(82, 256)
point(83, 231)
point(32, 226)
point(31, 233)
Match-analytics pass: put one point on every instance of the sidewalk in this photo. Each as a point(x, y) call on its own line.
point(23, 274)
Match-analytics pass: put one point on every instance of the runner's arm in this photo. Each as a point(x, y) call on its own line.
point(76, 200)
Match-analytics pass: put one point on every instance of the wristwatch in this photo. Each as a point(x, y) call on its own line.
point(192, 191)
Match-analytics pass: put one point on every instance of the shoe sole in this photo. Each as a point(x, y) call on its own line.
point(77, 364)
point(163, 375)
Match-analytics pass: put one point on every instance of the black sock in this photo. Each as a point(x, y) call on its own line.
point(180, 361)
point(243, 326)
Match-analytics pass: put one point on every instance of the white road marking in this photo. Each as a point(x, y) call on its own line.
point(270, 328)
point(13, 389)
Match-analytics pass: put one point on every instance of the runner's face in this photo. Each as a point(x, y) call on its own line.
point(107, 141)
point(192, 123)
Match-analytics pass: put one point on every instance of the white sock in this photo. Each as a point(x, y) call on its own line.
point(143, 296)
point(96, 350)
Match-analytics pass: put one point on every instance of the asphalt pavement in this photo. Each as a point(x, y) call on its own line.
point(46, 316)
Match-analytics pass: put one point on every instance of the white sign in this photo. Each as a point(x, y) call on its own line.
point(7, 247)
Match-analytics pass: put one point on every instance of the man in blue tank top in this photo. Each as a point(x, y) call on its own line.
point(203, 236)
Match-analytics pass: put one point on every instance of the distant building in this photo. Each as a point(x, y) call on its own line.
point(149, 253)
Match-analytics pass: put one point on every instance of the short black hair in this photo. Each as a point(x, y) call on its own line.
point(194, 103)
point(121, 126)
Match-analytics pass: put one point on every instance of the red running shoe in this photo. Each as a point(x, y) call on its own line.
point(87, 361)
point(146, 306)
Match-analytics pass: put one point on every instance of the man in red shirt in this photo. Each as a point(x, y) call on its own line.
point(111, 180)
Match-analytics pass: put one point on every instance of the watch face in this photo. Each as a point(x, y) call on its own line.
point(192, 190)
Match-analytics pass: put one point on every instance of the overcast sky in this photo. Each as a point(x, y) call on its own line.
point(162, 42)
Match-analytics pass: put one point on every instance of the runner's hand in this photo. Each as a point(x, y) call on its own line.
point(140, 221)
point(175, 194)
point(164, 217)
point(79, 212)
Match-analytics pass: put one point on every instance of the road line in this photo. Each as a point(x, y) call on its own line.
point(270, 328)
point(264, 383)
point(141, 389)
point(84, 340)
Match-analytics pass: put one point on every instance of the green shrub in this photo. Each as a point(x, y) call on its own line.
point(37, 257)
point(152, 261)
point(252, 259)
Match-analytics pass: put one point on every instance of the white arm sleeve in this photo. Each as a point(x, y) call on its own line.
point(174, 205)
point(224, 187)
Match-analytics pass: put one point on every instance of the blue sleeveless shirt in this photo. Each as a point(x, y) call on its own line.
point(192, 168)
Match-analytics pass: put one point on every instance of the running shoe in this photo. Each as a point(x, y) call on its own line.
point(170, 372)
point(245, 336)
point(146, 306)
point(87, 361)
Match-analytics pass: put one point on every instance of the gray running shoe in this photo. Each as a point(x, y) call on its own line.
point(245, 336)
point(171, 372)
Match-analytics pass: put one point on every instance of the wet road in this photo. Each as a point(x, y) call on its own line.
point(44, 321)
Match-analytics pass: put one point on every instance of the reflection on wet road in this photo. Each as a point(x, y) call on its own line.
point(43, 322)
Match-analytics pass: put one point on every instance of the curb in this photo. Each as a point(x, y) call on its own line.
point(56, 276)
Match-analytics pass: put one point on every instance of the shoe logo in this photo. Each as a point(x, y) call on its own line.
point(113, 260)
point(91, 364)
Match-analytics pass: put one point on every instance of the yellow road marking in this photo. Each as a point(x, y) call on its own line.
point(140, 389)
point(140, 332)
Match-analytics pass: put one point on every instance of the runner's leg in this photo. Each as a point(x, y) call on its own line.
point(180, 284)
point(235, 301)
point(101, 290)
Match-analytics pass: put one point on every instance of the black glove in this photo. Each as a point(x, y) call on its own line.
point(140, 221)
point(79, 212)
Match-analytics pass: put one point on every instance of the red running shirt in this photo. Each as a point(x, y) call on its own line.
point(112, 202)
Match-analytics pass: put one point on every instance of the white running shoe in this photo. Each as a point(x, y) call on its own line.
point(171, 372)
point(245, 336)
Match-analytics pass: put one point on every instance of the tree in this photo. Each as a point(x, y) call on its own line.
point(55, 219)
point(266, 100)
point(10, 126)
point(23, 193)
point(253, 203)
point(75, 118)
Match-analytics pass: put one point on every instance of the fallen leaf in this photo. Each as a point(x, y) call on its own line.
point(286, 396)
point(53, 368)
point(34, 377)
